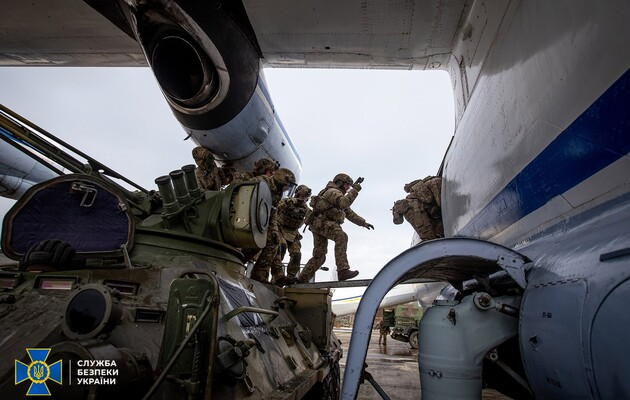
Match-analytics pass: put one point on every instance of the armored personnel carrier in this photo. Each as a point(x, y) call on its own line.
point(123, 294)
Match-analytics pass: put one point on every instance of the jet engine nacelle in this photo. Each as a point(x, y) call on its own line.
point(206, 60)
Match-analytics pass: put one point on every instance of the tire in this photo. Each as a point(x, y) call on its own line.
point(328, 389)
point(413, 340)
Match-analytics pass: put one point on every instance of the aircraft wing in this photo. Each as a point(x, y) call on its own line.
point(19, 171)
point(208, 57)
point(404, 34)
point(346, 302)
point(30, 155)
point(63, 33)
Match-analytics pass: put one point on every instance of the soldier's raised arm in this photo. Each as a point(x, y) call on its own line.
point(348, 191)
point(357, 219)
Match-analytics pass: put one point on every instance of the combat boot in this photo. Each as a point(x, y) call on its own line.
point(346, 274)
point(283, 281)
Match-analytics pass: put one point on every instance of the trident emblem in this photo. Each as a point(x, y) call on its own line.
point(38, 372)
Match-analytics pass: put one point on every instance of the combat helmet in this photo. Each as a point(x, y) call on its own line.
point(263, 166)
point(284, 176)
point(303, 191)
point(203, 157)
point(342, 178)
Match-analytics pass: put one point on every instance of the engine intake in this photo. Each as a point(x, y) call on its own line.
point(192, 81)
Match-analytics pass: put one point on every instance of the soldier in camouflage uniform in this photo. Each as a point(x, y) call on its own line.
point(264, 166)
point(209, 175)
point(232, 175)
point(330, 209)
point(421, 208)
point(281, 181)
point(383, 331)
point(291, 213)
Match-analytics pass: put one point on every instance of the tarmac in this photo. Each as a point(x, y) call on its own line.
point(394, 367)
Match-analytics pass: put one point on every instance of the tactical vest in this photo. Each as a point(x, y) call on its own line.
point(426, 190)
point(321, 206)
point(293, 215)
point(434, 183)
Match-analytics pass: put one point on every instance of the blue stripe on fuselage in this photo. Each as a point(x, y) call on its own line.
point(596, 139)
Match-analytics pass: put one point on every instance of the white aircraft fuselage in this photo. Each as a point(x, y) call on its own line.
point(539, 163)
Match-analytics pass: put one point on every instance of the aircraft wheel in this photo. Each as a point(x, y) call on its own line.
point(413, 340)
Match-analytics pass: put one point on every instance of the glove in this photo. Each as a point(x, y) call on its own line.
point(368, 226)
point(52, 253)
point(356, 187)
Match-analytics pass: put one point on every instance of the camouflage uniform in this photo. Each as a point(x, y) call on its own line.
point(330, 209)
point(421, 208)
point(291, 214)
point(209, 175)
point(232, 175)
point(269, 257)
point(264, 166)
point(383, 332)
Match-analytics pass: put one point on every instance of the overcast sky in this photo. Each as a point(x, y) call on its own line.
point(390, 127)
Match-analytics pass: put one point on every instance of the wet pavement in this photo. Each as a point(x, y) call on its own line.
point(394, 367)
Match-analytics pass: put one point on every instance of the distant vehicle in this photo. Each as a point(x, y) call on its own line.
point(404, 329)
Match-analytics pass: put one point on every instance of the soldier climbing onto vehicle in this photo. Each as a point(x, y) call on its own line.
point(291, 214)
point(282, 180)
point(264, 166)
point(209, 175)
point(422, 207)
point(330, 209)
point(232, 175)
